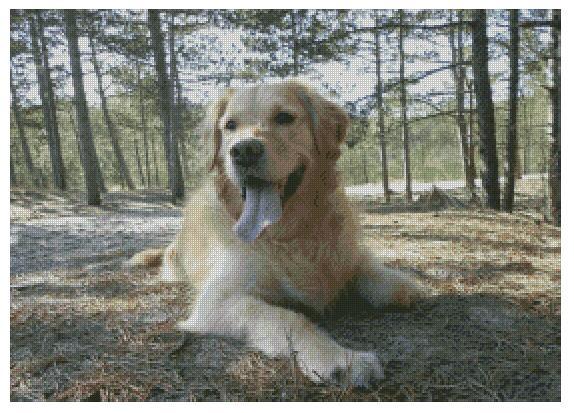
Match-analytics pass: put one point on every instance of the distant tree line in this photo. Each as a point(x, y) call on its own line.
point(141, 61)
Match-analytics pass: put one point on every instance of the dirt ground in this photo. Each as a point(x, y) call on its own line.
point(82, 328)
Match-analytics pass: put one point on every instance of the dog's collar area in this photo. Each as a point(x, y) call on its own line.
point(293, 181)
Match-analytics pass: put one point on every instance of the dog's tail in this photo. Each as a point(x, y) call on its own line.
point(150, 258)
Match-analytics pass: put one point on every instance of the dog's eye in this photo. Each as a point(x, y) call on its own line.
point(284, 118)
point(231, 125)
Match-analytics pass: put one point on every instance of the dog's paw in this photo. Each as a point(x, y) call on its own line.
point(363, 369)
point(392, 287)
point(348, 369)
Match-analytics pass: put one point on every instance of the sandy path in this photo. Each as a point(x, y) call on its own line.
point(46, 234)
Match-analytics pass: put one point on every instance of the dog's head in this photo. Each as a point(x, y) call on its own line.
point(265, 139)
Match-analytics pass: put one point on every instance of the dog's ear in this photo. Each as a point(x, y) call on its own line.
point(329, 122)
point(210, 128)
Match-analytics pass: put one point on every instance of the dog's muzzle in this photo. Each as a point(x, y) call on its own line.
point(247, 153)
point(263, 204)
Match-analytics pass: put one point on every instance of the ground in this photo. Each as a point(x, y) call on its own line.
point(83, 328)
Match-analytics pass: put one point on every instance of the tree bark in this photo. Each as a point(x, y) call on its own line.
point(13, 181)
point(404, 120)
point(154, 153)
point(295, 42)
point(40, 51)
point(471, 145)
point(22, 134)
point(365, 169)
point(112, 132)
point(380, 114)
point(166, 103)
point(143, 122)
point(554, 175)
point(459, 75)
point(485, 109)
point(511, 139)
point(99, 176)
point(175, 121)
point(527, 120)
point(88, 150)
point(140, 169)
point(181, 132)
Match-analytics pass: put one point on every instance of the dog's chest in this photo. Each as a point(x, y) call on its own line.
point(312, 273)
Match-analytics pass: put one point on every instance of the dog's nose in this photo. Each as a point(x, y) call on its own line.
point(247, 153)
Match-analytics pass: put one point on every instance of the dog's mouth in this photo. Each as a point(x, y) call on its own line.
point(263, 203)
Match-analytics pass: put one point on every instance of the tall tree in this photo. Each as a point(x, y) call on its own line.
point(87, 148)
point(404, 120)
point(174, 111)
point(165, 102)
point(22, 134)
point(143, 122)
point(471, 144)
point(380, 112)
point(459, 75)
point(41, 62)
point(13, 181)
point(485, 109)
point(112, 131)
point(554, 175)
point(138, 160)
point(511, 138)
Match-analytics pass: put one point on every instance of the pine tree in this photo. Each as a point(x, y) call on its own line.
point(485, 109)
point(87, 148)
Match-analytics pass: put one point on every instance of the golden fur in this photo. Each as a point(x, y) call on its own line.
point(309, 257)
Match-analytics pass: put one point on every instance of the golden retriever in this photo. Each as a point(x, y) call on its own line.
point(275, 227)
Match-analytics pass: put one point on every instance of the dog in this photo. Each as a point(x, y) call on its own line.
point(275, 227)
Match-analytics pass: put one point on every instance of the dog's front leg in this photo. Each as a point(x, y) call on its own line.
point(381, 285)
point(279, 332)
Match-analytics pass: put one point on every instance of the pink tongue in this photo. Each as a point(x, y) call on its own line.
point(262, 207)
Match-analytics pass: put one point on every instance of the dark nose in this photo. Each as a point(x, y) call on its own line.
point(247, 153)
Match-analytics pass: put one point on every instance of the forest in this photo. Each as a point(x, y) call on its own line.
point(148, 77)
point(455, 127)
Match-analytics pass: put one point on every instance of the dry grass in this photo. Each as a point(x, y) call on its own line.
point(491, 333)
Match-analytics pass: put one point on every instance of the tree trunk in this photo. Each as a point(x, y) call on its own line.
point(365, 169)
point(76, 135)
point(527, 120)
point(12, 173)
point(140, 169)
point(99, 175)
point(511, 139)
point(22, 133)
point(181, 132)
point(175, 121)
point(381, 118)
point(404, 120)
point(485, 109)
point(471, 145)
point(459, 75)
point(90, 159)
point(166, 103)
point(295, 42)
point(154, 153)
point(143, 122)
point(112, 132)
point(47, 99)
point(554, 175)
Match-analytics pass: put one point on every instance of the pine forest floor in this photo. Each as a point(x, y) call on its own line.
point(83, 328)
